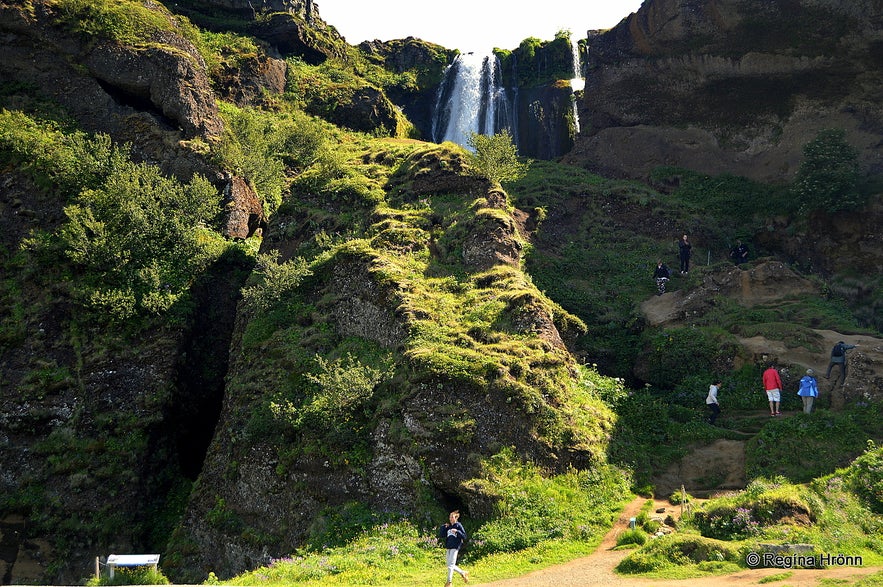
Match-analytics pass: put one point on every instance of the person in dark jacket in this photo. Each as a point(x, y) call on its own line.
point(454, 535)
point(661, 274)
point(838, 357)
point(685, 251)
point(739, 254)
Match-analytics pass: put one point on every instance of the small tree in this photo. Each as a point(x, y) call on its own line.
point(495, 157)
point(829, 175)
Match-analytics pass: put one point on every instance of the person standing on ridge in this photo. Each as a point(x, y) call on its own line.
point(739, 253)
point(772, 383)
point(838, 357)
point(454, 535)
point(809, 390)
point(711, 402)
point(685, 251)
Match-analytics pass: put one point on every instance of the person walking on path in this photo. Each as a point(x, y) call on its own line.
point(809, 390)
point(454, 535)
point(711, 402)
point(838, 357)
point(685, 251)
point(772, 383)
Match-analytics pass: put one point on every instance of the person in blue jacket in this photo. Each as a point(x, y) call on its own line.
point(809, 390)
point(454, 535)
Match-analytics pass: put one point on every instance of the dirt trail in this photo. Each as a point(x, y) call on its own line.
point(597, 568)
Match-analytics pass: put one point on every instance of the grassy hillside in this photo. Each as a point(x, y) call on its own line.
point(110, 266)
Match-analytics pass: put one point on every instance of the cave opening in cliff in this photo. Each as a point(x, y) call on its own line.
point(137, 102)
point(204, 361)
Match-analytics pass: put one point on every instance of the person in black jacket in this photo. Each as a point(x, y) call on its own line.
point(661, 274)
point(838, 357)
point(685, 251)
point(739, 254)
point(454, 535)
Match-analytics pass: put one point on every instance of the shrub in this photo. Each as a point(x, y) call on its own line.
point(632, 536)
point(865, 477)
point(132, 576)
point(136, 237)
point(495, 157)
point(677, 550)
point(828, 176)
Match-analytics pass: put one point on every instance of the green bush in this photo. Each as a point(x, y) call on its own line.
point(828, 176)
point(632, 536)
point(132, 576)
point(496, 157)
point(675, 353)
point(137, 240)
point(531, 508)
point(865, 477)
point(678, 550)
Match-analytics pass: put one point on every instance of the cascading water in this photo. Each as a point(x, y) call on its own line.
point(577, 82)
point(471, 99)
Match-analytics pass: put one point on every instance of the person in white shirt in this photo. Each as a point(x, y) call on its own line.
point(711, 402)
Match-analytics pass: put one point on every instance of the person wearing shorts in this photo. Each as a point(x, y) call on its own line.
point(773, 385)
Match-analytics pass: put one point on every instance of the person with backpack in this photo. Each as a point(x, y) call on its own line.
point(838, 357)
point(808, 391)
point(454, 536)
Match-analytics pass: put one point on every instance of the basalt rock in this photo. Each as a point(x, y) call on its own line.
point(243, 212)
point(156, 98)
point(725, 86)
point(252, 80)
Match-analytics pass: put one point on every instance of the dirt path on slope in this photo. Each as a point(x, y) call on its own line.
point(597, 568)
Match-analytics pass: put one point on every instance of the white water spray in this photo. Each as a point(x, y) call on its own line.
point(577, 82)
point(470, 100)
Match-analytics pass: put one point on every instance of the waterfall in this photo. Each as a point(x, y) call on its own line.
point(577, 82)
point(471, 99)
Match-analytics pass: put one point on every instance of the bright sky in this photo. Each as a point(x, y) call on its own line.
point(471, 25)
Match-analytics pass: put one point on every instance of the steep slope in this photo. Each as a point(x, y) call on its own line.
point(460, 356)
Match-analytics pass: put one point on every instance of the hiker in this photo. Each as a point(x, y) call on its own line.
point(711, 402)
point(739, 254)
point(838, 357)
point(809, 390)
point(662, 274)
point(772, 383)
point(454, 535)
point(684, 253)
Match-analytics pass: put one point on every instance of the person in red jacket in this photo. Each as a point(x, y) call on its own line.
point(773, 385)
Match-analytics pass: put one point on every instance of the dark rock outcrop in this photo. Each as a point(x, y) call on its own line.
point(724, 86)
point(158, 99)
point(243, 213)
point(252, 80)
point(177, 86)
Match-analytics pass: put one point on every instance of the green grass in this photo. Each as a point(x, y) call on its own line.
point(539, 522)
point(836, 513)
point(775, 577)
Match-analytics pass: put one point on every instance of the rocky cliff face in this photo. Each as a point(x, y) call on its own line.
point(726, 86)
point(157, 98)
point(420, 436)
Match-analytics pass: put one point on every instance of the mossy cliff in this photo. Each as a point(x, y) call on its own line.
point(442, 354)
